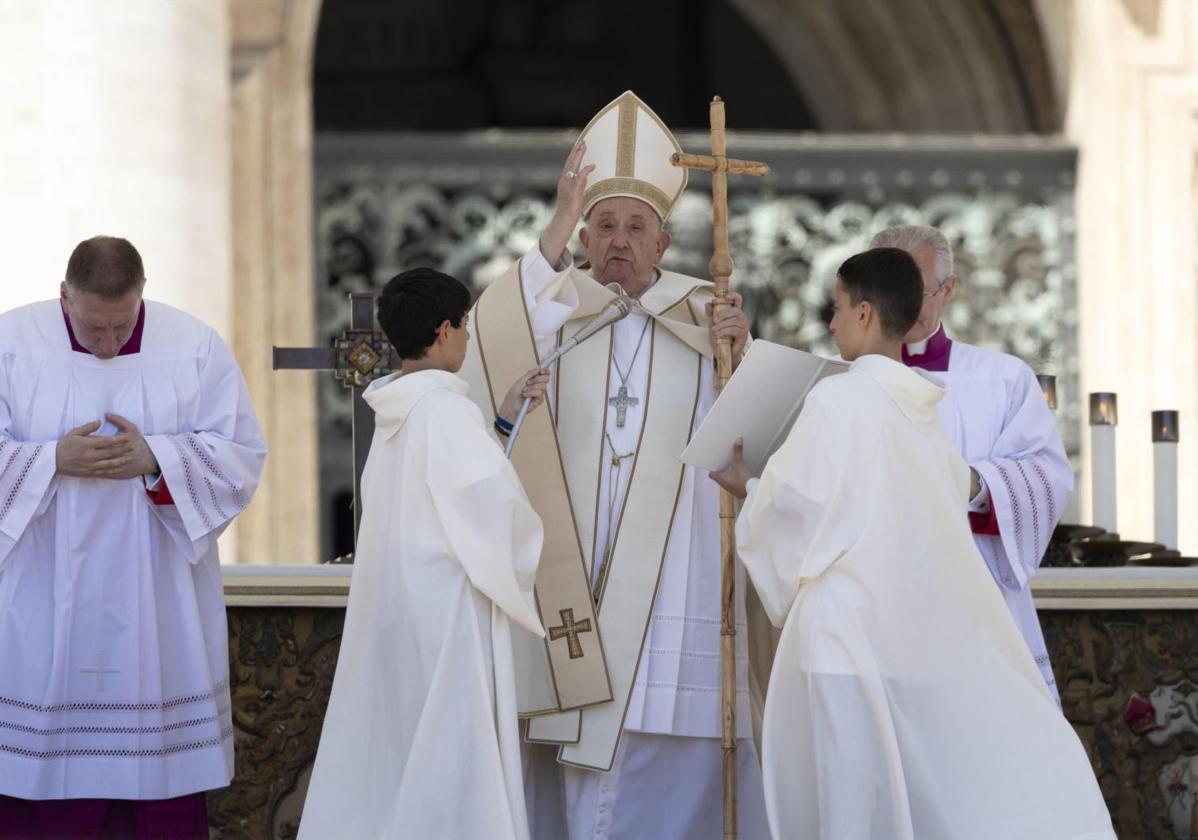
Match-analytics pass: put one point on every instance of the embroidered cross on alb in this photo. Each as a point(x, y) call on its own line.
point(99, 670)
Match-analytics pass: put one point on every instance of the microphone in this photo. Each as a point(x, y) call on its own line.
point(616, 309)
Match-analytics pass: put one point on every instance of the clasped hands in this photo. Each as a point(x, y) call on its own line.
point(83, 454)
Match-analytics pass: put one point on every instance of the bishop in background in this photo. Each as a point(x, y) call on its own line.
point(640, 529)
point(996, 415)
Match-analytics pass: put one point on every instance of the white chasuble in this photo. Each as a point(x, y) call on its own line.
point(995, 413)
point(903, 703)
point(421, 736)
point(631, 500)
point(113, 645)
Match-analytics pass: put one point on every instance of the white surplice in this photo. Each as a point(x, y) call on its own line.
point(996, 415)
point(113, 645)
point(903, 703)
point(675, 701)
point(421, 737)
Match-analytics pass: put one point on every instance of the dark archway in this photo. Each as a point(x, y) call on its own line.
point(913, 66)
point(388, 65)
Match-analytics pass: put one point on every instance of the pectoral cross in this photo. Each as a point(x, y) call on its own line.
point(99, 670)
point(359, 356)
point(569, 631)
point(620, 402)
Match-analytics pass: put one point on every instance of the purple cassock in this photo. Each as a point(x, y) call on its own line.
point(181, 818)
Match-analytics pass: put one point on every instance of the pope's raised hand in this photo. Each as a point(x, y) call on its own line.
point(573, 184)
point(571, 187)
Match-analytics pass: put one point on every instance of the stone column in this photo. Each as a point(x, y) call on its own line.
point(272, 47)
point(115, 121)
point(1133, 94)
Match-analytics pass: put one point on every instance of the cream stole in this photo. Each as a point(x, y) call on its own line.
point(560, 465)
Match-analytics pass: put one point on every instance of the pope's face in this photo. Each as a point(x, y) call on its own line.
point(102, 326)
point(847, 326)
point(624, 240)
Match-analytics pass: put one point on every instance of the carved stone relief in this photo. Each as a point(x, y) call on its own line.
point(282, 664)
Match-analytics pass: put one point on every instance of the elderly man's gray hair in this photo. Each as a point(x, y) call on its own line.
point(910, 238)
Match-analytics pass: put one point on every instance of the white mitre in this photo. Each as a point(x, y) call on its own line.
point(631, 148)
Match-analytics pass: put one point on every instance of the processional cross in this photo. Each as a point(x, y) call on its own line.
point(719, 165)
point(358, 356)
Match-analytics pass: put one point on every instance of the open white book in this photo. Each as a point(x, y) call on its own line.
point(760, 403)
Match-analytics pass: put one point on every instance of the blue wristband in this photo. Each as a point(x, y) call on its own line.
point(502, 425)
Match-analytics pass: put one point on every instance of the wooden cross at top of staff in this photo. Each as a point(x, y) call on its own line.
point(719, 165)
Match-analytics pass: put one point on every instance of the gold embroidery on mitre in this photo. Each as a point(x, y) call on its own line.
point(651, 195)
point(626, 138)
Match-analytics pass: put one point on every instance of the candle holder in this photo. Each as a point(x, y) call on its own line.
point(1165, 437)
point(1048, 384)
point(1104, 417)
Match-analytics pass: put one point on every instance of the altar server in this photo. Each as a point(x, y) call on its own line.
point(420, 739)
point(903, 702)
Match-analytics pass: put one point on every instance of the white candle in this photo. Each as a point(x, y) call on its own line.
point(1048, 384)
point(1104, 418)
point(1164, 474)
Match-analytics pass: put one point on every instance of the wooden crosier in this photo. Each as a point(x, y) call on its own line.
point(719, 165)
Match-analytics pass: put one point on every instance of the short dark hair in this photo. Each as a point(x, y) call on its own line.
point(414, 303)
point(889, 279)
point(106, 266)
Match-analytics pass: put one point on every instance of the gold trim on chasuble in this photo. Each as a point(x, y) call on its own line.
point(628, 587)
point(553, 674)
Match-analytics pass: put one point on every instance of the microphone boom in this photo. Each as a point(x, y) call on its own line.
point(616, 309)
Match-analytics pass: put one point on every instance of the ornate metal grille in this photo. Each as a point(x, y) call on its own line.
point(470, 204)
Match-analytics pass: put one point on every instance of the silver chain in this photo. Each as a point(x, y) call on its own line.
point(624, 376)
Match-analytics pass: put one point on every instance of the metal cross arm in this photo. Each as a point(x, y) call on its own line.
point(358, 356)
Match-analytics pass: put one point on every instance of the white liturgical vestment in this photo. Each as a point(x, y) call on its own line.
point(665, 780)
point(421, 736)
point(903, 703)
point(113, 645)
point(677, 685)
point(995, 413)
